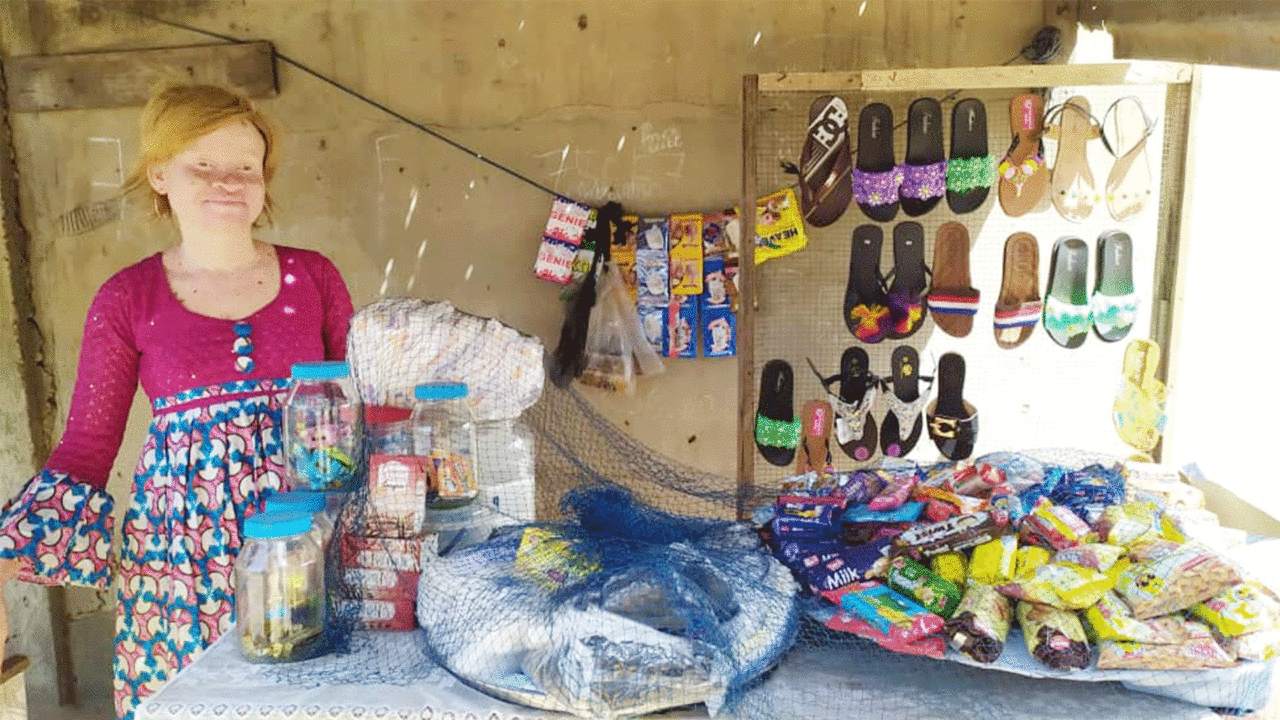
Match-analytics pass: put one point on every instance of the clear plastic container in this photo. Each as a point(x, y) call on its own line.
point(280, 593)
point(315, 504)
point(321, 427)
point(445, 433)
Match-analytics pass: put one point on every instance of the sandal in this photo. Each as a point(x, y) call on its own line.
point(1023, 178)
point(969, 169)
point(866, 304)
point(814, 451)
point(953, 301)
point(906, 403)
point(1066, 306)
point(1139, 406)
point(825, 164)
point(1129, 182)
point(909, 281)
point(1018, 307)
point(777, 429)
point(1074, 190)
point(1114, 303)
point(877, 178)
point(953, 422)
point(852, 401)
point(924, 168)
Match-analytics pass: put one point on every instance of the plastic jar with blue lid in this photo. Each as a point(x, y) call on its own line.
point(321, 427)
point(280, 590)
point(310, 502)
point(444, 432)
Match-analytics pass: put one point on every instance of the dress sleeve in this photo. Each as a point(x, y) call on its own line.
point(60, 525)
point(337, 310)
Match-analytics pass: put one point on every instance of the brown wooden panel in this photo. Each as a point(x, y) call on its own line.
point(1139, 73)
point(123, 78)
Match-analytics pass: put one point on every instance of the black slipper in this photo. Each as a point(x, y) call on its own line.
point(852, 400)
point(866, 304)
point(910, 281)
point(877, 177)
point(825, 163)
point(971, 169)
point(906, 403)
point(924, 170)
point(777, 430)
point(1067, 315)
point(953, 422)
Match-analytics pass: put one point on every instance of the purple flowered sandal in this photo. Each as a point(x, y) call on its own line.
point(924, 177)
point(877, 179)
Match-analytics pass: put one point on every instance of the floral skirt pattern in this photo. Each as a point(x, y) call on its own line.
point(209, 456)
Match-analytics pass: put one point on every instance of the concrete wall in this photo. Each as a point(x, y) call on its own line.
point(630, 100)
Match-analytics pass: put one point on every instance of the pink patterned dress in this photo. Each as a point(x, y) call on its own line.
point(214, 446)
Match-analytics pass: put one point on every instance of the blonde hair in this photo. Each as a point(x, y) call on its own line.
point(178, 115)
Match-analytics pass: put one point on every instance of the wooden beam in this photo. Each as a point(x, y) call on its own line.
point(124, 78)
point(1016, 76)
point(747, 298)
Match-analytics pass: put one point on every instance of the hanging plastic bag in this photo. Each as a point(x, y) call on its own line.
point(608, 360)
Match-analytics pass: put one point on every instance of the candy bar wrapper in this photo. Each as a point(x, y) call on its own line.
point(895, 494)
point(932, 646)
point(935, 594)
point(962, 503)
point(721, 235)
point(860, 486)
point(653, 322)
point(779, 227)
point(951, 566)
point(996, 561)
point(651, 278)
point(686, 254)
point(1198, 651)
point(806, 518)
point(1187, 576)
point(1061, 585)
point(1111, 619)
point(1088, 491)
point(719, 332)
point(1019, 471)
point(1243, 608)
point(682, 319)
point(847, 565)
point(956, 533)
point(980, 623)
point(1005, 505)
point(1054, 636)
point(560, 240)
point(623, 254)
point(907, 512)
point(888, 610)
point(1055, 526)
point(555, 261)
point(1095, 556)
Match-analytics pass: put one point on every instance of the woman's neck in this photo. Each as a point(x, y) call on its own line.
point(217, 251)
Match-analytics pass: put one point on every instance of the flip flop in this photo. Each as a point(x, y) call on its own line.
point(906, 403)
point(1023, 177)
point(970, 167)
point(866, 304)
point(777, 430)
point(909, 282)
point(877, 176)
point(953, 301)
point(852, 401)
point(953, 422)
point(1114, 303)
point(1066, 306)
point(1018, 307)
point(1073, 188)
point(1139, 406)
point(814, 451)
point(1129, 182)
point(825, 163)
point(924, 168)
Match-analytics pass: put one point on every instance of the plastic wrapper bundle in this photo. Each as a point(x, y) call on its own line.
point(396, 344)
point(626, 611)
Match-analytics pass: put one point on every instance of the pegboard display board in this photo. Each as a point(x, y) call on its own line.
point(1035, 395)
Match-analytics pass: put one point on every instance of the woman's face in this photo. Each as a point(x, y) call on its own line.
point(217, 180)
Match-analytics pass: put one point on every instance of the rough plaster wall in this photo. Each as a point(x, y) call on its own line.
point(635, 100)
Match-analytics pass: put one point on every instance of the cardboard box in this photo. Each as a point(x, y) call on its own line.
point(397, 495)
point(370, 614)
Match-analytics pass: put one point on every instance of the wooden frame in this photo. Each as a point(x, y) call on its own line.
point(1181, 81)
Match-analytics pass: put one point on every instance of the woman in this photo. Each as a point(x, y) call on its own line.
point(210, 327)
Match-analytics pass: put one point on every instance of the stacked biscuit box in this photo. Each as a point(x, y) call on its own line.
point(382, 551)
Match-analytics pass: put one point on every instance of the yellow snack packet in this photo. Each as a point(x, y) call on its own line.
point(1030, 557)
point(1242, 608)
point(779, 227)
point(994, 562)
point(951, 566)
point(549, 559)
